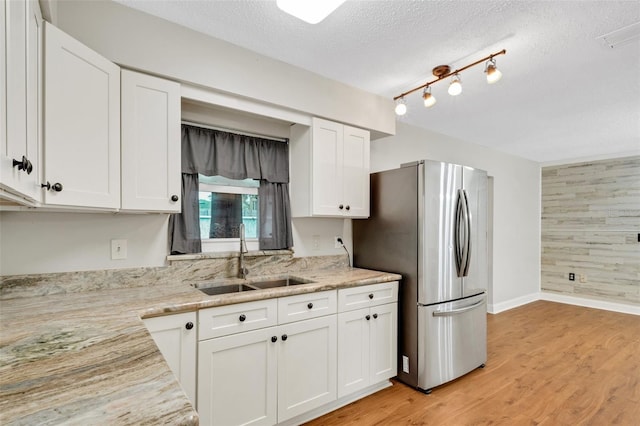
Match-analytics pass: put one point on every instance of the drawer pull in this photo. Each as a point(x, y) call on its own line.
point(242, 317)
point(375, 316)
point(371, 296)
point(188, 325)
point(274, 339)
point(310, 305)
point(284, 337)
point(368, 317)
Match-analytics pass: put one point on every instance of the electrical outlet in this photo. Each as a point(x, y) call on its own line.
point(405, 363)
point(118, 249)
point(572, 276)
point(315, 242)
point(336, 243)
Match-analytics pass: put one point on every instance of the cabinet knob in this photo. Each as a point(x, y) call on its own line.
point(368, 317)
point(310, 305)
point(242, 317)
point(375, 316)
point(57, 187)
point(23, 164)
point(371, 296)
point(188, 325)
point(341, 207)
point(348, 207)
point(284, 337)
point(174, 198)
point(274, 339)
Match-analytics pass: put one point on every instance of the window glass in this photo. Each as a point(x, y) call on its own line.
point(225, 204)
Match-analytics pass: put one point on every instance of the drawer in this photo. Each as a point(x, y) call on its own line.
point(367, 296)
point(305, 306)
point(230, 319)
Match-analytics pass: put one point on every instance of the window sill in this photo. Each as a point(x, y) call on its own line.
point(226, 254)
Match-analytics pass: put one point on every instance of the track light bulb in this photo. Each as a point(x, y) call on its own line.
point(429, 99)
point(455, 88)
point(401, 107)
point(493, 73)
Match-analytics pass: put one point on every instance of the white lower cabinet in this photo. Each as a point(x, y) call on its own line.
point(267, 375)
point(367, 342)
point(176, 337)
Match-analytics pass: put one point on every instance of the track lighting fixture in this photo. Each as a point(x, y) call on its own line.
point(401, 106)
point(455, 87)
point(493, 73)
point(429, 99)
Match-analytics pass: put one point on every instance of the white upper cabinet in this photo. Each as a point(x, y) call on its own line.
point(151, 178)
point(81, 125)
point(20, 45)
point(329, 170)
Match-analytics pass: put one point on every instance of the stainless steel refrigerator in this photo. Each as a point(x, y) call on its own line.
point(429, 223)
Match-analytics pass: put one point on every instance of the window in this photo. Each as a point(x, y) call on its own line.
point(224, 205)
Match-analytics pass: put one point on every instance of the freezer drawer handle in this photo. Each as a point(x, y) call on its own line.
point(457, 311)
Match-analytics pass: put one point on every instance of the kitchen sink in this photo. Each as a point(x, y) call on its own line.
point(225, 289)
point(278, 282)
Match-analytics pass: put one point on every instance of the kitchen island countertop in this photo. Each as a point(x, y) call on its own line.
point(87, 358)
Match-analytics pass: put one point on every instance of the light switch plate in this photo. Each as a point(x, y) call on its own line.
point(118, 249)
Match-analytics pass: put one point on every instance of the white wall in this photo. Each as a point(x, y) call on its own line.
point(516, 209)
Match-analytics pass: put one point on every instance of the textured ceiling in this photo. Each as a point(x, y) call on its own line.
point(564, 94)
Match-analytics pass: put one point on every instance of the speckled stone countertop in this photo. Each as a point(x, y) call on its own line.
point(87, 358)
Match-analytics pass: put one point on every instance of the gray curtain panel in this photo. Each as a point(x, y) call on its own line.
point(217, 153)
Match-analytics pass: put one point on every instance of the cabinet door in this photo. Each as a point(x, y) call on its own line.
point(82, 124)
point(151, 178)
point(21, 44)
point(306, 366)
point(383, 346)
point(356, 172)
point(353, 352)
point(177, 343)
point(327, 171)
point(237, 379)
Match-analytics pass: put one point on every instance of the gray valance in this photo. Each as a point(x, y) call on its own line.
point(217, 153)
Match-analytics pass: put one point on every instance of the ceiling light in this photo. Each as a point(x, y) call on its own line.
point(455, 87)
point(429, 99)
point(493, 73)
point(311, 11)
point(401, 107)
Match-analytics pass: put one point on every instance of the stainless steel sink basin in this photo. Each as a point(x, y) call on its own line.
point(225, 289)
point(278, 282)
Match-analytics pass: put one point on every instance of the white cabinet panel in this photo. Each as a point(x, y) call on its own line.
point(237, 379)
point(20, 99)
point(329, 170)
point(237, 318)
point(306, 306)
point(175, 335)
point(384, 338)
point(353, 352)
point(151, 177)
point(307, 366)
point(367, 296)
point(82, 124)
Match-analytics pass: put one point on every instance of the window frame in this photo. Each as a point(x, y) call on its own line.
point(210, 245)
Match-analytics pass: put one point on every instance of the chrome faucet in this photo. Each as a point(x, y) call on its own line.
point(242, 270)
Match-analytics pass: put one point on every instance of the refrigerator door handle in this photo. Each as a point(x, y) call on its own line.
point(457, 243)
point(467, 233)
point(457, 311)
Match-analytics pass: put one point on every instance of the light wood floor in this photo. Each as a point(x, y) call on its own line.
point(548, 364)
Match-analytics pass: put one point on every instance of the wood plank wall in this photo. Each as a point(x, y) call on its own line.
point(591, 226)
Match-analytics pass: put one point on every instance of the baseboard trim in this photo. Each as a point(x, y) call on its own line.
point(591, 303)
point(513, 303)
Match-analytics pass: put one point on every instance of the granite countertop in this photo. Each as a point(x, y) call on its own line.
point(87, 358)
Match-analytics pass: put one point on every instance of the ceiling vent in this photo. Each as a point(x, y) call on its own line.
point(621, 36)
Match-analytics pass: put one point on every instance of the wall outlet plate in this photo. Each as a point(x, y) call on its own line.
point(118, 249)
point(572, 276)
